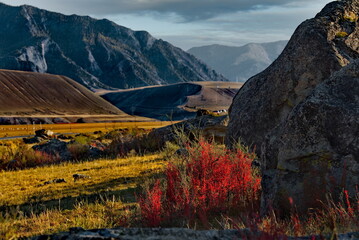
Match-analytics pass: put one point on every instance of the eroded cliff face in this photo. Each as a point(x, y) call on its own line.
point(96, 53)
point(301, 113)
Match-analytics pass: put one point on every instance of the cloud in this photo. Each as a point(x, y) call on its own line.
point(188, 23)
point(187, 10)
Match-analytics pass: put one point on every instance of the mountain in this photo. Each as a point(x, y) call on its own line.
point(95, 53)
point(28, 94)
point(302, 114)
point(239, 63)
point(175, 101)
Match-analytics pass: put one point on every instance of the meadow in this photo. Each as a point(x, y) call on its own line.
point(24, 130)
point(201, 186)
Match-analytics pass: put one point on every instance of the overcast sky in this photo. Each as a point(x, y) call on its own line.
point(189, 23)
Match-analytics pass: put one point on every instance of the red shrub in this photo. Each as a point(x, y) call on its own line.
point(213, 182)
point(151, 206)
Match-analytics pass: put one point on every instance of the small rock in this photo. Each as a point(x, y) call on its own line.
point(56, 180)
point(43, 133)
point(32, 140)
point(64, 137)
point(80, 176)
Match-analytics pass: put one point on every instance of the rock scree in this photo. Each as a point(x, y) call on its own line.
point(302, 114)
point(170, 234)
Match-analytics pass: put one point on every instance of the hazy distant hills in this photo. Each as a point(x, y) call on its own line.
point(239, 63)
point(95, 53)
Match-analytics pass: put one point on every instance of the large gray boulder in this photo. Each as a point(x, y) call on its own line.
point(275, 109)
point(316, 150)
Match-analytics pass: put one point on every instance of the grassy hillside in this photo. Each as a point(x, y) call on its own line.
point(34, 94)
point(175, 101)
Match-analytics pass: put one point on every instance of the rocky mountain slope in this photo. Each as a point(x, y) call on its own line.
point(95, 53)
point(239, 63)
point(302, 112)
point(27, 94)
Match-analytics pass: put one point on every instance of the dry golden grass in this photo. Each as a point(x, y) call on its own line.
point(31, 208)
point(21, 130)
point(26, 186)
point(102, 214)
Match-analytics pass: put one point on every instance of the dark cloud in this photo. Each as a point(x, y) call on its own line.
point(188, 10)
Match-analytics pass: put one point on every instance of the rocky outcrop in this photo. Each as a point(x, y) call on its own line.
point(173, 234)
point(301, 113)
point(95, 53)
point(55, 148)
point(208, 126)
point(316, 150)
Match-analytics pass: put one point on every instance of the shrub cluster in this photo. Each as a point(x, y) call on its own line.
point(212, 182)
point(21, 157)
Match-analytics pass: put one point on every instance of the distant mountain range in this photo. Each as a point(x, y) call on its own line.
point(239, 63)
point(95, 53)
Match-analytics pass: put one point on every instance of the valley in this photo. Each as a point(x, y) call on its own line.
point(111, 133)
point(174, 102)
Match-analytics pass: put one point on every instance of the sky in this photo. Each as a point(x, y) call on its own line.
point(191, 23)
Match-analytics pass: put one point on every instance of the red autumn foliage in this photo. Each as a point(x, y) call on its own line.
point(211, 182)
point(151, 206)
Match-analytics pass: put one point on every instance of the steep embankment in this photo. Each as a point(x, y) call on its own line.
point(175, 101)
point(95, 53)
point(26, 94)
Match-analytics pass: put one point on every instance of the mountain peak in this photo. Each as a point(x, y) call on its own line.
point(340, 10)
point(239, 63)
point(96, 53)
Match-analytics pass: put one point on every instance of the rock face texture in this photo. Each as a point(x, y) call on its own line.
point(301, 113)
point(211, 127)
point(170, 234)
point(96, 53)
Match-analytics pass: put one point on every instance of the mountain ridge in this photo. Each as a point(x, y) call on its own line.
point(239, 63)
point(95, 53)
